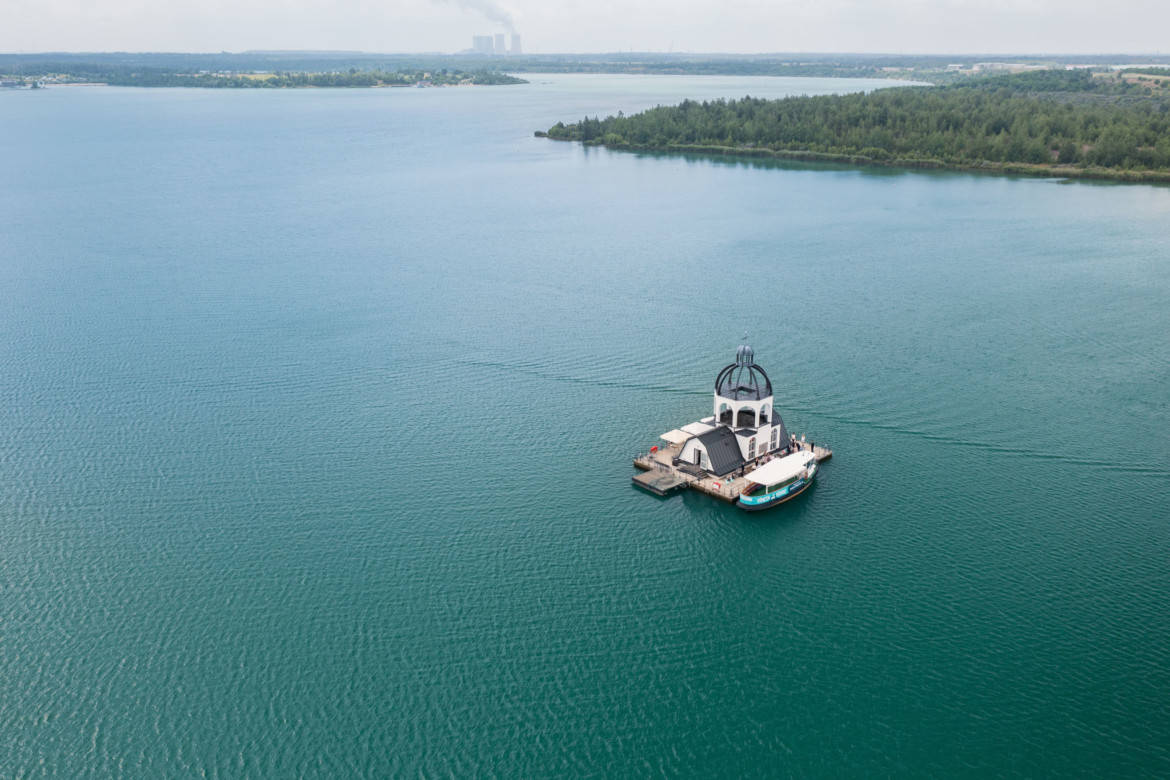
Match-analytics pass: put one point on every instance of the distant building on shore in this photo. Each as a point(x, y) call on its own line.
point(1006, 67)
point(501, 47)
point(482, 44)
point(516, 44)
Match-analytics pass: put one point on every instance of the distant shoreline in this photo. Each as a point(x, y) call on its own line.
point(115, 68)
point(60, 74)
point(300, 86)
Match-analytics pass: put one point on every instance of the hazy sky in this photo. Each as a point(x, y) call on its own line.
point(927, 26)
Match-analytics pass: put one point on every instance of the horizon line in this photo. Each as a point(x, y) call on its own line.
point(463, 53)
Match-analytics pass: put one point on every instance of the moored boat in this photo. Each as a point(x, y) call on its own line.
point(778, 481)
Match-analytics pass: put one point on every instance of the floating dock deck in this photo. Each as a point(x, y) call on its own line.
point(659, 482)
point(661, 476)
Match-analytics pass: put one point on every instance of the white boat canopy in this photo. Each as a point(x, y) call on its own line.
point(697, 428)
point(675, 437)
point(782, 469)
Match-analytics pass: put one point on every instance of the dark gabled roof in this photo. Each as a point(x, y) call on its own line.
point(722, 450)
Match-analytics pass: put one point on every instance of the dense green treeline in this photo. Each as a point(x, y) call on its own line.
point(1056, 81)
point(1035, 119)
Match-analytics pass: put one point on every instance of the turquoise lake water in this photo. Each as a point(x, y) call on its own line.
point(317, 417)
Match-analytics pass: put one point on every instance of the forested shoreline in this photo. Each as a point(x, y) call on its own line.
point(1055, 122)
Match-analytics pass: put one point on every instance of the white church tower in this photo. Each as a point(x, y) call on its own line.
point(745, 425)
point(743, 403)
point(743, 392)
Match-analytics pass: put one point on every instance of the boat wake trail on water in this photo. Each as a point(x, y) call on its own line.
point(553, 376)
point(1105, 465)
point(528, 369)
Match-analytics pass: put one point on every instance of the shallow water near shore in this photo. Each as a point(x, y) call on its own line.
point(318, 414)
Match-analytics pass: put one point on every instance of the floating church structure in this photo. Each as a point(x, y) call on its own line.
point(742, 453)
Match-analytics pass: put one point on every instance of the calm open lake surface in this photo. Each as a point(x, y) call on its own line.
point(317, 415)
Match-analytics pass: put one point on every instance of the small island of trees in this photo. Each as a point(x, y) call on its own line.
point(1051, 122)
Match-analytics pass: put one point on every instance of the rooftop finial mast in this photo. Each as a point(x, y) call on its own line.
point(744, 356)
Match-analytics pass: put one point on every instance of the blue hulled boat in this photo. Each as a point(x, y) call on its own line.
point(778, 481)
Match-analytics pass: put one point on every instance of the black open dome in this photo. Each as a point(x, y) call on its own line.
point(743, 380)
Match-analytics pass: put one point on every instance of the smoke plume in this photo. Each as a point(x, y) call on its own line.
point(490, 10)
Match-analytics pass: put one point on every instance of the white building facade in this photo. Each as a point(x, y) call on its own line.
point(744, 425)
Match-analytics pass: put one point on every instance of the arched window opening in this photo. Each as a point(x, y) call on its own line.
point(725, 414)
point(746, 416)
point(751, 448)
point(775, 432)
point(764, 414)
